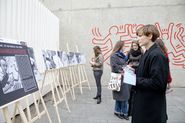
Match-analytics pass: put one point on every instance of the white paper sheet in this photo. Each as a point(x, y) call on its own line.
point(129, 76)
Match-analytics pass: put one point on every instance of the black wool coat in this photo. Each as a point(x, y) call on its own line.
point(150, 98)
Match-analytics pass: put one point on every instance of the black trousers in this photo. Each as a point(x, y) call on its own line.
point(131, 100)
point(97, 76)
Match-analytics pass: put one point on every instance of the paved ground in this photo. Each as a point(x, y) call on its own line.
point(85, 110)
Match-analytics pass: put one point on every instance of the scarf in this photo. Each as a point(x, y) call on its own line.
point(122, 55)
point(135, 53)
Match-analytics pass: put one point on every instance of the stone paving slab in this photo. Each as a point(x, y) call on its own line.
point(85, 110)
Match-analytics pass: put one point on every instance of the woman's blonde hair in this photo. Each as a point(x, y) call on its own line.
point(118, 46)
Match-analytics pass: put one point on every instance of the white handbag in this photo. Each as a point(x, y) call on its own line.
point(115, 82)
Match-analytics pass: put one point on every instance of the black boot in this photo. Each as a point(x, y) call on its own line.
point(99, 100)
point(96, 97)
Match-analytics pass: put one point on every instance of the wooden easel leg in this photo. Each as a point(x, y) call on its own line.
point(28, 109)
point(55, 103)
point(65, 99)
point(43, 103)
point(72, 82)
point(66, 103)
point(6, 115)
point(23, 117)
point(63, 94)
point(36, 105)
point(56, 108)
point(80, 79)
point(15, 111)
point(86, 77)
point(67, 82)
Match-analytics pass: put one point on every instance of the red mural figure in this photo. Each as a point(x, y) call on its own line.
point(128, 32)
point(175, 36)
point(123, 32)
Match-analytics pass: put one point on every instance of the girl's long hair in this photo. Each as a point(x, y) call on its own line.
point(118, 46)
point(136, 42)
point(97, 51)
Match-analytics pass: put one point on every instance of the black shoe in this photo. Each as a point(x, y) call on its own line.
point(96, 97)
point(99, 100)
point(125, 117)
point(118, 115)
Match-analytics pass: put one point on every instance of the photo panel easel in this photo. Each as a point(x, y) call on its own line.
point(19, 82)
point(73, 76)
point(51, 77)
point(82, 73)
point(64, 78)
point(26, 117)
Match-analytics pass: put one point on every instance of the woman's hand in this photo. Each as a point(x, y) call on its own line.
point(91, 62)
point(130, 66)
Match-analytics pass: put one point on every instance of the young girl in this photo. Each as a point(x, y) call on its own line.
point(134, 56)
point(97, 64)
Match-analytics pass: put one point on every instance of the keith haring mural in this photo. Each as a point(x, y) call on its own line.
point(173, 35)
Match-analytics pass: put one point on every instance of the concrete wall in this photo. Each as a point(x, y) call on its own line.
point(102, 22)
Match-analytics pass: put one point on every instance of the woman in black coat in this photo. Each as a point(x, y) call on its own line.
point(117, 61)
point(151, 80)
point(134, 56)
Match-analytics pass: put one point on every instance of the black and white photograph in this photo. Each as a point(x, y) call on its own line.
point(16, 76)
point(64, 58)
point(60, 53)
point(57, 60)
point(72, 58)
point(48, 59)
point(33, 64)
point(82, 59)
point(9, 75)
point(78, 58)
